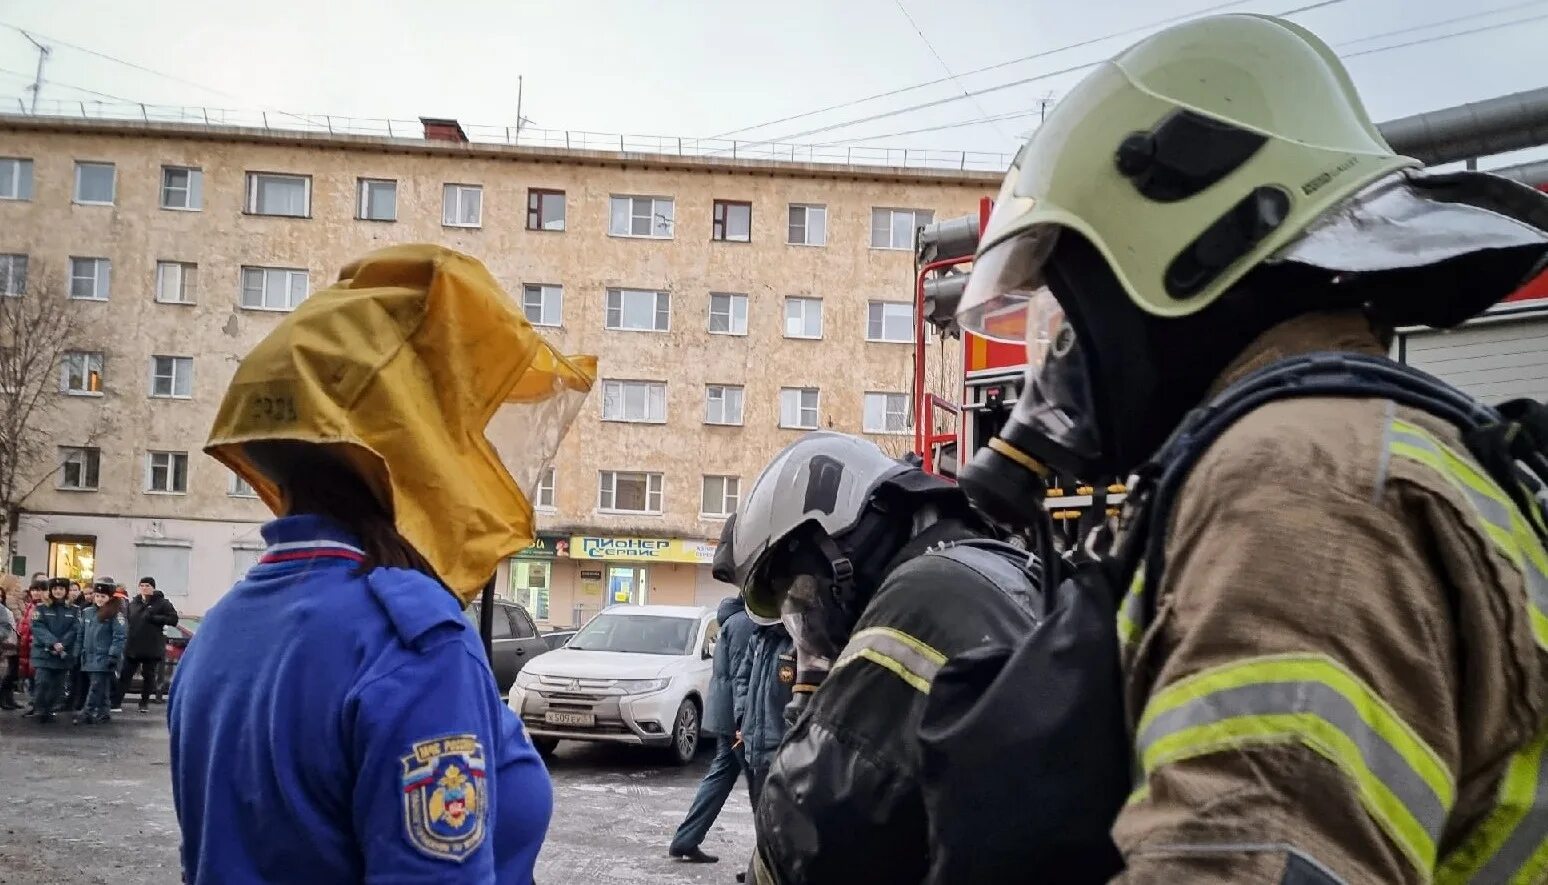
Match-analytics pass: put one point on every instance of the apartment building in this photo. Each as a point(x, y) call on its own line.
point(733, 304)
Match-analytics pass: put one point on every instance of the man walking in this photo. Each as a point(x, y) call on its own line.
point(149, 613)
point(719, 720)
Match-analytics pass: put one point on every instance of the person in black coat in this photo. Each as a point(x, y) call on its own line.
point(149, 613)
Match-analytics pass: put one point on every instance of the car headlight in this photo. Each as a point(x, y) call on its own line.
point(641, 686)
point(525, 679)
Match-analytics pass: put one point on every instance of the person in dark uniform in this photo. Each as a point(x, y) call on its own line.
point(335, 719)
point(880, 573)
point(55, 625)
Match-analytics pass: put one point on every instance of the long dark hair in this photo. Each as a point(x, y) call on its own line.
point(110, 611)
point(315, 479)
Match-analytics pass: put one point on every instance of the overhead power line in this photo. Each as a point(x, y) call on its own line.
point(944, 66)
point(1026, 58)
point(73, 88)
point(1445, 21)
point(126, 63)
point(1448, 36)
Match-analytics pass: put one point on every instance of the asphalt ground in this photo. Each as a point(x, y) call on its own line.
point(94, 805)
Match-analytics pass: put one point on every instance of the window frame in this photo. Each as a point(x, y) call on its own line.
point(91, 467)
point(363, 187)
point(884, 305)
point(616, 390)
point(460, 188)
point(544, 290)
point(76, 192)
point(656, 309)
point(723, 389)
point(253, 178)
point(86, 359)
point(547, 479)
point(193, 191)
point(801, 407)
point(173, 459)
point(290, 273)
point(101, 278)
point(720, 220)
point(806, 224)
point(892, 211)
point(236, 484)
point(536, 197)
point(888, 396)
point(671, 224)
point(726, 481)
point(652, 478)
point(176, 362)
point(18, 193)
point(185, 288)
point(734, 298)
point(806, 301)
point(8, 275)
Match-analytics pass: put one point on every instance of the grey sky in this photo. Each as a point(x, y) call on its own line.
point(697, 67)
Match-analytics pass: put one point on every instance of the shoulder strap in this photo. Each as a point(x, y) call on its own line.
point(1012, 570)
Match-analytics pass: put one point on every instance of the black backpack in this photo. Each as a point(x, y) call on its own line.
point(1032, 743)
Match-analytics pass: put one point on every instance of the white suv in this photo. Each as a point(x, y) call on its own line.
point(635, 674)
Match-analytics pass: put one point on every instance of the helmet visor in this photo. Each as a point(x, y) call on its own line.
point(1003, 283)
point(527, 427)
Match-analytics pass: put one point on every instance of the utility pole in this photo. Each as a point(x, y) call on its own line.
point(37, 82)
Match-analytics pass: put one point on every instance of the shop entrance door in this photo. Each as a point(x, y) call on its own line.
point(626, 585)
point(73, 557)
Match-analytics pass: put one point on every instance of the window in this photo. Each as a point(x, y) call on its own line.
point(733, 222)
point(15, 179)
point(378, 200)
point(166, 560)
point(889, 321)
point(638, 401)
point(95, 183)
point(886, 413)
point(803, 317)
point(545, 209)
point(545, 490)
point(273, 288)
point(78, 468)
point(529, 586)
point(90, 278)
point(81, 373)
point(13, 274)
point(166, 472)
point(720, 496)
point(462, 205)
point(176, 282)
point(798, 408)
point(894, 228)
point(722, 404)
point(641, 217)
point(638, 310)
point(273, 194)
point(543, 304)
point(629, 492)
point(182, 187)
point(171, 377)
point(240, 488)
point(808, 225)
point(728, 314)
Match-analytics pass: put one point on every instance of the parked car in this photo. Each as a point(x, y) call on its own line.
point(177, 642)
point(515, 640)
point(635, 674)
point(557, 638)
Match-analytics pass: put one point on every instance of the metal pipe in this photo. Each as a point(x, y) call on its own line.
point(1533, 174)
point(1477, 129)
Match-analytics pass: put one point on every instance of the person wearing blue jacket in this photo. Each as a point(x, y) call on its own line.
point(720, 721)
point(55, 625)
point(335, 718)
point(765, 683)
point(103, 631)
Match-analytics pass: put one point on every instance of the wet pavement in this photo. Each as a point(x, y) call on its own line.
point(94, 805)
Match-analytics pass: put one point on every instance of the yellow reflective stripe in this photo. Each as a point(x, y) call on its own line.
point(1129, 610)
point(1312, 701)
point(1510, 845)
point(912, 661)
point(1502, 520)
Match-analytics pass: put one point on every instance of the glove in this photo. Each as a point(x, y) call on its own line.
point(112, 663)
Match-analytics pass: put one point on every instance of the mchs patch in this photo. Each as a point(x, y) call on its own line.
point(444, 796)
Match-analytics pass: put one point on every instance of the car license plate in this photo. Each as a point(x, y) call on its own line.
point(584, 720)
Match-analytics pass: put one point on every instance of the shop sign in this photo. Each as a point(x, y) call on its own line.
point(546, 547)
point(643, 549)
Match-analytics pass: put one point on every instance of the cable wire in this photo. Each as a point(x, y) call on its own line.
point(947, 68)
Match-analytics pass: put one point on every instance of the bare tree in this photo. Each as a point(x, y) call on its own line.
point(37, 327)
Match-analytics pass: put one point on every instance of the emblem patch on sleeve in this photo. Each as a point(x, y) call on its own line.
point(443, 796)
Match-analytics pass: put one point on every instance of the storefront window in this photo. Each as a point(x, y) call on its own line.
point(73, 558)
point(529, 586)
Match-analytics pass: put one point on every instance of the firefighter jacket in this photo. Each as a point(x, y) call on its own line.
point(842, 801)
point(1344, 677)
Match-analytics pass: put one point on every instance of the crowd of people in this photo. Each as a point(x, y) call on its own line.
point(78, 649)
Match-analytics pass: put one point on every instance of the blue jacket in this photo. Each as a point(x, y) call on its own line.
point(101, 642)
point(329, 726)
point(735, 632)
point(59, 622)
point(764, 685)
